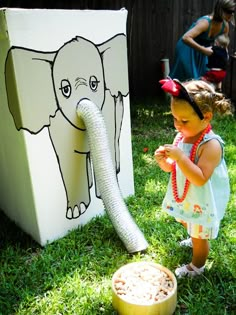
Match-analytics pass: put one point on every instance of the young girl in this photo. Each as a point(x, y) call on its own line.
point(198, 190)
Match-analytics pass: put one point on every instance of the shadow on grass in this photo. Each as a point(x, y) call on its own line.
point(29, 272)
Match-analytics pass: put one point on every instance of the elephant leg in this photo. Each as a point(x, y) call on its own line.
point(109, 114)
point(78, 182)
point(119, 113)
point(71, 149)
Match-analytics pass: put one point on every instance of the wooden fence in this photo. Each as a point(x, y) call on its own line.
point(153, 28)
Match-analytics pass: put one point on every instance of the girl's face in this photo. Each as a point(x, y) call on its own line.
point(186, 120)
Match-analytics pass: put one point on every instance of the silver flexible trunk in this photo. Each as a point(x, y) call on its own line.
point(115, 206)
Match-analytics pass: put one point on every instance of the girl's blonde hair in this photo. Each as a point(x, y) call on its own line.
point(207, 99)
point(222, 40)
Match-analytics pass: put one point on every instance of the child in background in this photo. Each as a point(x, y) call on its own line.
point(198, 190)
point(217, 62)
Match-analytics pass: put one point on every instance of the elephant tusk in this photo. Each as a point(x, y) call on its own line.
point(115, 206)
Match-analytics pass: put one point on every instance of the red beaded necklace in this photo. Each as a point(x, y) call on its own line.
point(192, 157)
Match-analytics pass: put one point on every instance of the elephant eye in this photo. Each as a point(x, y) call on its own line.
point(93, 83)
point(65, 88)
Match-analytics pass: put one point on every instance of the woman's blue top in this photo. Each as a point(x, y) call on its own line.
point(190, 63)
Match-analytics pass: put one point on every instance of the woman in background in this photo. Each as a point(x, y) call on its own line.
point(195, 45)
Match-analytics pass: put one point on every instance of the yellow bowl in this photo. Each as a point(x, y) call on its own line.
point(124, 306)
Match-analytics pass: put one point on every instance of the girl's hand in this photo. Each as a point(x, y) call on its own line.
point(172, 152)
point(160, 154)
point(163, 160)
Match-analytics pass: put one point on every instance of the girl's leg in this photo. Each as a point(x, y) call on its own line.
point(200, 251)
point(184, 224)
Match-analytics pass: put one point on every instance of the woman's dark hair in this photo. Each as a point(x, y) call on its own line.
point(220, 7)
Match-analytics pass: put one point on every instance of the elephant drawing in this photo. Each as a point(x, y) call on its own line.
point(43, 90)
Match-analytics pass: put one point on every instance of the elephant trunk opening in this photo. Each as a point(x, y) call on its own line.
point(117, 211)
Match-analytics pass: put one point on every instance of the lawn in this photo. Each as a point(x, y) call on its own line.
point(73, 275)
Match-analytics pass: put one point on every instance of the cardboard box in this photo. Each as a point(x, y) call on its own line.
point(49, 61)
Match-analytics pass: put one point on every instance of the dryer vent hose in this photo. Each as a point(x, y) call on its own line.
point(123, 223)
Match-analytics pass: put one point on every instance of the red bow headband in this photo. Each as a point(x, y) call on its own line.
point(175, 88)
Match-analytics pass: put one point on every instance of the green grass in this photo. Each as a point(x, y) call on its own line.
point(73, 275)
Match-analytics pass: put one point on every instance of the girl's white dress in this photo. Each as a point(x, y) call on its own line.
point(204, 205)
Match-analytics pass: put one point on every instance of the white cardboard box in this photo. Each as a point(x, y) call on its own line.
point(41, 177)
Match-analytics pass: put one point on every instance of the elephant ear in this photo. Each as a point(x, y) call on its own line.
point(114, 56)
point(30, 92)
